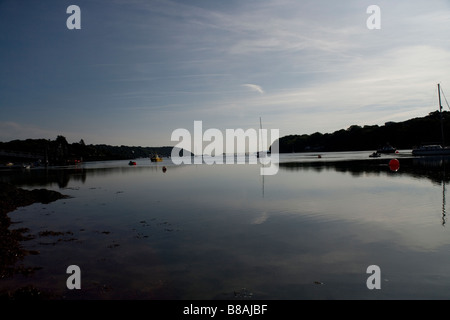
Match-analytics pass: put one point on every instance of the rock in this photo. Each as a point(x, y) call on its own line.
point(12, 197)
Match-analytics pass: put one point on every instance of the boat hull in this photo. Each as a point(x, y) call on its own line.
point(387, 150)
point(431, 151)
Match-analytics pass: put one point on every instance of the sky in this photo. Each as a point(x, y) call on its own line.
point(139, 69)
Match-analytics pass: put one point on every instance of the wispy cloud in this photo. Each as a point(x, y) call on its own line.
point(254, 87)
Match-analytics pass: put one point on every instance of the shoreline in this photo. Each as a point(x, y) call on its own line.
point(11, 249)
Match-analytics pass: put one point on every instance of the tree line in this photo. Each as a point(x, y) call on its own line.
point(60, 151)
point(401, 135)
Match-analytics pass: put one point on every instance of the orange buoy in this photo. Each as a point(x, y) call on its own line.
point(394, 165)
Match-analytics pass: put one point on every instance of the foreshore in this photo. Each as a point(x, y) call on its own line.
point(11, 250)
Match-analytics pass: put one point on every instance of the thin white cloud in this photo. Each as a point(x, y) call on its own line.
point(254, 87)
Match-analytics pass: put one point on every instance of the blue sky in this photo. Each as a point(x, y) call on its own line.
point(137, 70)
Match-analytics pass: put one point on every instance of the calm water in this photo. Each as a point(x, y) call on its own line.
point(225, 231)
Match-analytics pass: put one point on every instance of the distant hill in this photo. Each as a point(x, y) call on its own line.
point(59, 151)
point(401, 135)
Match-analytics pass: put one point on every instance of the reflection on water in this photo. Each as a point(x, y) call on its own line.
point(207, 232)
point(61, 176)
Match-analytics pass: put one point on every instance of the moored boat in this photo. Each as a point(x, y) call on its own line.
point(434, 149)
point(387, 149)
point(431, 150)
point(156, 158)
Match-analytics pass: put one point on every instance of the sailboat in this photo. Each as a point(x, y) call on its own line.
point(261, 154)
point(434, 149)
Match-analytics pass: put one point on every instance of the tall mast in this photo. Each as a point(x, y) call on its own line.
point(261, 134)
point(440, 112)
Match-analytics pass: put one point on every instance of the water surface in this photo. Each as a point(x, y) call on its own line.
point(226, 232)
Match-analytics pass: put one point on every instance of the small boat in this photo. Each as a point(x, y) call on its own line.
point(74, 161)
point(156, 158)
point(22, 166)
point(387, 149)
point(431, 150)
point(375, 154)
point(434, 149)
point(132, 163)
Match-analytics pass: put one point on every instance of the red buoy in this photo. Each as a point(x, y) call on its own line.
point(394, 165)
